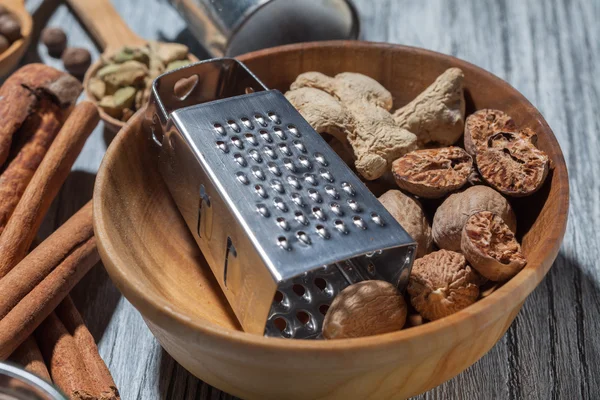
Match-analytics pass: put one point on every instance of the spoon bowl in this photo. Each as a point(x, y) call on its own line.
point(112, 33)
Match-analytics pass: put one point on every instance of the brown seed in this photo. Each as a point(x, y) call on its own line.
point(512, 164)
point(4, 44)
point(409, 213)
point(441, 283)
point(451, 216)
point(482, 124)
point(491, 247)
point(364, 309)
point(10, 27)
point(55, 40)
point(433, 173)
point(76, 60)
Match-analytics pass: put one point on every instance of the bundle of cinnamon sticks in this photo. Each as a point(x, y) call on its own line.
point(41, 135)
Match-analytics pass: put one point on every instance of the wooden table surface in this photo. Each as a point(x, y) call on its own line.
point(550, 51)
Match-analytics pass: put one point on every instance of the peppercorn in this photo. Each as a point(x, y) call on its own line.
point(10, 27)
point(55, 40)
point(76, 60)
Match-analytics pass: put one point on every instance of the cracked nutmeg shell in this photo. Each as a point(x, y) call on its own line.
point(512, 164)
point(433, 173)
point(451, 216)
point(364, 309)
point(491, 247)
point(442, 283)
point(482, 124)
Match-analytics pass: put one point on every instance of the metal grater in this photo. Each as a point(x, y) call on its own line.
point(283, 222)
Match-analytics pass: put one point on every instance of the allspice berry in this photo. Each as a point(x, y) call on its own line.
point(4, 44)
point(10, 27)
point(76, 60)
point(55, 40)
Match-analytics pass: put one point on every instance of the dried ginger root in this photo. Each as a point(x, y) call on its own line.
point(437, 115)
point(362, 104)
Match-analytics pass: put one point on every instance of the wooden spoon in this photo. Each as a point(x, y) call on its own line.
point(11, 57)
point(112, 33)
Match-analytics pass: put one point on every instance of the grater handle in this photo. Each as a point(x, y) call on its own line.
point(215, 79)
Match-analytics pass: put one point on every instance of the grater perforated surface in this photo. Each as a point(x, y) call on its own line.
point(281, 220)
point(300, 204)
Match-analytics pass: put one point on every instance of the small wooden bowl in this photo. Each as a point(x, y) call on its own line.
point(152, 258)
point(11, 57)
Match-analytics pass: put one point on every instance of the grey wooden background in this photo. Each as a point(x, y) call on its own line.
point(550, 51)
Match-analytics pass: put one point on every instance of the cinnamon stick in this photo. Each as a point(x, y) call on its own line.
point(66, 366)
point(104, 385)
point(45, 258)
point(65, 263)
point(20, 93)
point(43, 125)
point(29, 356)
point(45, 184)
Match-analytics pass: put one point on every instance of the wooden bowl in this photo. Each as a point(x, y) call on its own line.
point(152, 258)
point(11, 57)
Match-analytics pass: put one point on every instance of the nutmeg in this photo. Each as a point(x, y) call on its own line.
point(55, 40)
point(10, 27)
point(76, 60)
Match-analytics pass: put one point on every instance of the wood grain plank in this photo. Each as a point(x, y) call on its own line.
point(548, 50)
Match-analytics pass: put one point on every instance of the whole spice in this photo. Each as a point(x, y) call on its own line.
point(409, 213)
point(482, 124)
point(76, 60)
point(512, 164)
point(491, 247)
point(347, 87)
point(355, 112)
point(45, 184)
point(55, 40)
point(441, 283)
point(65, 364)
point(433, 173)
point(451, 216)
point(29, 356)
point(75, 365)
point(42, 279)
point(437, 114)
point(20, 97)
point(44, 124)
point(10, 27)
point(122, 85)
point(364, 309)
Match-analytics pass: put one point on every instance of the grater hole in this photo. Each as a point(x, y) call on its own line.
point(278, 298)
point(299, 289)
point(280, 324)
point(321, 283)
point(293, 130)
point(247, 123)
point(323, 308)
point(274, 117)
point(233, 125)
point(219, 128)
point(303, 317)
point(184, 87)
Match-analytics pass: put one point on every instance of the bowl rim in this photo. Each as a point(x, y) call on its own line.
point(502, 299)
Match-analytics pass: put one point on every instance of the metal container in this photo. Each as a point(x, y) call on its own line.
point(233, 27)
point(18, 384)
point(282, 221)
